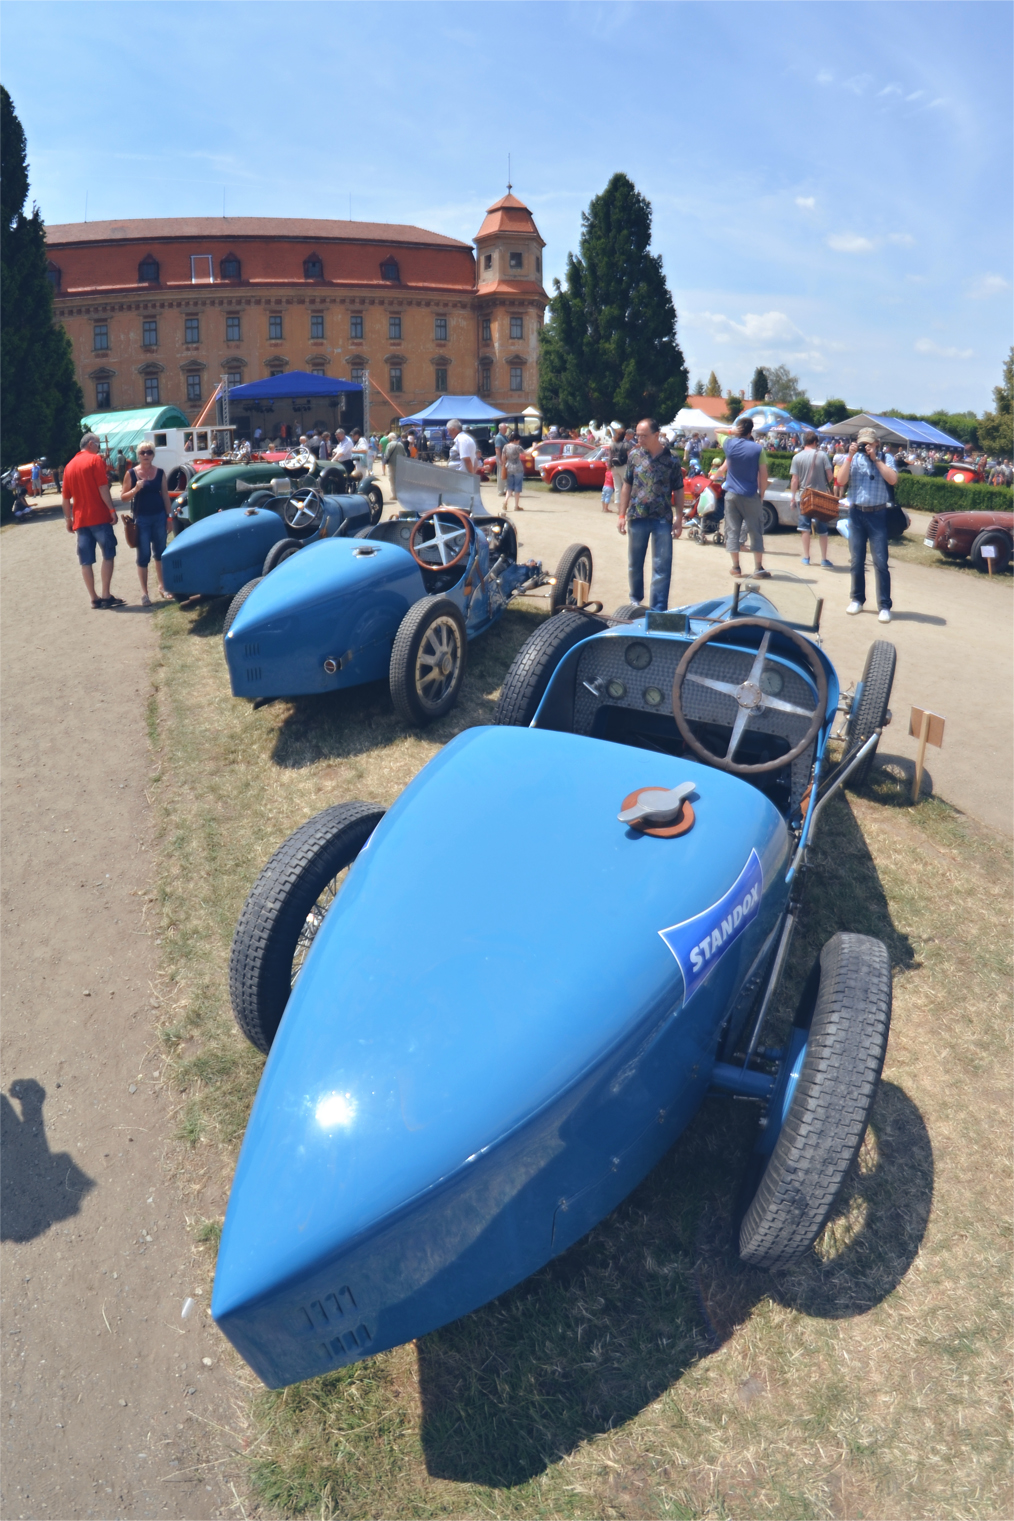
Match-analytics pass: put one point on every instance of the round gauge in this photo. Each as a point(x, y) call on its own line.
point(652, 696)
point(616, 689)
point(637, 655)
point(771, 682)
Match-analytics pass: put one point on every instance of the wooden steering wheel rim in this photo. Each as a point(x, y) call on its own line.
point(453, 512)
point(814, 667)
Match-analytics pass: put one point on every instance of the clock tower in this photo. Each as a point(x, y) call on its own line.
point(510, 303)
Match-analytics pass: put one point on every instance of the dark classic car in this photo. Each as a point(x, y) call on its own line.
point(961, 534)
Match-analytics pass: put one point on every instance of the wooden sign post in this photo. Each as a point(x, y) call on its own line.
point(988, 553)
point(928, 728)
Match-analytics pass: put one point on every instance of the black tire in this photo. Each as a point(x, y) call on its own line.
point(629, 612)
point(870, 712)
point(260, 498)
point(770, 521)
point(575, 558)
point(375, 497)
point(179, 477)
point(283, 550)
point(237, 603)
point(850, 990)
point(334, 480)
point(897, 522)
point(432, 631)
point(1001, 542)
point(564, 480)
point(525, 684)
point(285, 909)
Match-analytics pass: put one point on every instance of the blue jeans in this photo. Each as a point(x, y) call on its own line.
point(659, 532)
point(96, 534)
point(151, 536)
point(869, 528)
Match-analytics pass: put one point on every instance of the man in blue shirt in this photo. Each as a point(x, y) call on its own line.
point(746, 480)
point(867, 480)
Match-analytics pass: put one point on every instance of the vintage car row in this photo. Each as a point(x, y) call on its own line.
point(451, 1099)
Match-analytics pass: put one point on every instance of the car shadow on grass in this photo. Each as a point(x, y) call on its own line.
point(599, 1333)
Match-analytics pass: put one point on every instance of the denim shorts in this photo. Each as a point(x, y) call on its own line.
point(607, 493)
point(515, 482)
point(152, 532)
point(96, 534)
point(815, 525)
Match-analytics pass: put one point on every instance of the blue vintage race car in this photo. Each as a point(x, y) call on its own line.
point(399, 600)
point(453, 1098)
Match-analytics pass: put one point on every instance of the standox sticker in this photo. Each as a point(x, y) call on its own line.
point(700, 942)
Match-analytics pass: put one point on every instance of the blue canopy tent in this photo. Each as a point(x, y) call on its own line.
point(467, 409)
point(892, 430)
point(300, 390)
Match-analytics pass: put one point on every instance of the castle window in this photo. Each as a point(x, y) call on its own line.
point(234, 378)
point(356, 325)
point(517, 327)
point(149, 332)
point(313, 268)
point(275, 325)
point(102, 396)
point(394, 328)
point(538, 265)
point(191, 330)
point(395, 379)
point(486, 383)
point(389, 270)
point(487, 330)
point(100, 337)
point(151, 395)
point(229, 267)
point(316, 324)
point(441, 380)
point(193, 388)
point(487, 261)
point(517, 378)
point(54, 276)
point(440, 328)
point(233, 331)
point(517, 261)
point(201, 272)
point(147, 270)
point(357, 374)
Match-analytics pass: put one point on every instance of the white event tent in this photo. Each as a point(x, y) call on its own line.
point(689, 420)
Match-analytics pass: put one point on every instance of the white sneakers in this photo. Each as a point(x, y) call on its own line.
point(854, 607)
point(884, 616)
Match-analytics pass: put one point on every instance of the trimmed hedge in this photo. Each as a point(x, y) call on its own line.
point(778, 464)
point(924, 494)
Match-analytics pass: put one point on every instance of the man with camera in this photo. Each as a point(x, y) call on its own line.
point(866, 481)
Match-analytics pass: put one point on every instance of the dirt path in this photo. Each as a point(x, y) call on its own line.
point(106, 1395)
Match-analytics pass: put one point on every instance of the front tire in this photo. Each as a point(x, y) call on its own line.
point(870, 712)
point(237, 603)
point(283, 550)
point(375, 497)
point(575, 565)
point(629, 612)
point(1000, 541)
point(830, 1108)
point(428, 661)
point(525, 684)
point(284, 911)
point(564, 481)
point(769, 519)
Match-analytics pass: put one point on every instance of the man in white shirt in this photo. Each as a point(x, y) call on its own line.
point(343, 446)
point(464, 453)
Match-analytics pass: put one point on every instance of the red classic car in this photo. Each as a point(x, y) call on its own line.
point(541, 454)
point(573, 470)
point(964, 475)
point(957, 534)
point(25, 472)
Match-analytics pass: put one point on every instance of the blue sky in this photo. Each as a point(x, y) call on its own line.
point(831, 182)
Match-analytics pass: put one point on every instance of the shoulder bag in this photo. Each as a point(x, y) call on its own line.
point(817, 504)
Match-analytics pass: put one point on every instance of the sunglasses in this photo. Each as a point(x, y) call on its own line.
point(146, 453)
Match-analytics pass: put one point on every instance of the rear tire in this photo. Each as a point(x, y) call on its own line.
point(1000, 541)
point(629, 612)
point(375, 497)
point(575, 565)
point(428, 661)
point(770, 522)
point(237, 603)
point(284, 911)
point(830, 1108)
point(870, 712)
point(525, 684)
point(283, 550)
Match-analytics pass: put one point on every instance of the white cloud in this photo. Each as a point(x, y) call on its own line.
point(757, 329)
point(905, 239)
point(825, 77)
point(927, 346)
point(891, 89)
point(859, 83)
point(988, 285)
point(808, 202)
point(849, 242)
point(915, 95)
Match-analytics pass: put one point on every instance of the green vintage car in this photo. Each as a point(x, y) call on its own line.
point(232, 485)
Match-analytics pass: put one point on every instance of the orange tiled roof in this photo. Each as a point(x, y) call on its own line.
point(508, 214)
point(150, 229)
point(712, 406)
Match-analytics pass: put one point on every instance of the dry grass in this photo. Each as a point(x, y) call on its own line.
point(645, 1372)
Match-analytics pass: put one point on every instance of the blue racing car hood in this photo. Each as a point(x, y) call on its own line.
point(221, 553)
point(499, 938)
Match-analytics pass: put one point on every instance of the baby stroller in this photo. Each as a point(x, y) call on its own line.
point(705, 514)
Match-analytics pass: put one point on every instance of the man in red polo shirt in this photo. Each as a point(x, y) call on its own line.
point(89, 512)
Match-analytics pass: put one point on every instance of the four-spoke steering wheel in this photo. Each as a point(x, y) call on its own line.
point(750, 695)
point(303, 512)
point(448, 543)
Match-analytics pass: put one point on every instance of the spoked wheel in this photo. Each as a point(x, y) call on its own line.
point(573, 572)
point(822, 1103)
point(428, 660)
point(285, 910)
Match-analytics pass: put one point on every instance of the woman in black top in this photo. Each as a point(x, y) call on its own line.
point(145, 489)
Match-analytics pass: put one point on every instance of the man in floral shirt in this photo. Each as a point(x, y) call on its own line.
point(652, 487)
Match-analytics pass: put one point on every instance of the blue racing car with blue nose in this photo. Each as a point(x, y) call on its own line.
point(451, 1097)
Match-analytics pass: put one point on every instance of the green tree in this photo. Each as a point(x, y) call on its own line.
point(834, 410)
point(759, 385)
point(609, 345)
point(713, 388)
point(734, 405)
point(698, 388)
point(783, 386)
point(801, 408)
point(995, 430)
point(41, 400)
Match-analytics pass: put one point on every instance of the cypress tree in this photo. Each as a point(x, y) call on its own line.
point(609, 348)
point(713, 388)
point(41, 399)
point(758, 385)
